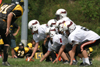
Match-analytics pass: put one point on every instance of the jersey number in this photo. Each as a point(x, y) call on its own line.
point(60, 40)
point(4, 8)
point(84, 28)
point(20, 53)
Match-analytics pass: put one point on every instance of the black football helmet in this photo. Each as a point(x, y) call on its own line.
point(21, 2)
point(21, 44)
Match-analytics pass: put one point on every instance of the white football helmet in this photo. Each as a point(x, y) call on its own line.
point(69, 25)
point(33, 22)
point(59, 22)
point(61, 13)
point(51, 23)
point(53, 31)
point(33, 25)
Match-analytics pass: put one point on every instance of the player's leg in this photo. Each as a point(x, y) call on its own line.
point(13, 45)
point(44, 49)
point(5, 49)
point(53, 55)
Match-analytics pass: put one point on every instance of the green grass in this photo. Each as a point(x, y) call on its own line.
point(22, 63)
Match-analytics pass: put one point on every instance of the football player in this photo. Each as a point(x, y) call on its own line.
point(80, 38)
point(55, 43)
point(38, 32)
point(50, 23)
point(21, 51)
point(8, 15)
point(60, 14)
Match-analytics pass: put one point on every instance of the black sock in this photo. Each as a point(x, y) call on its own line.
point(5, 51)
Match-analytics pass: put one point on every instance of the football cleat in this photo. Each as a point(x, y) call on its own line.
point(74, 63)
point(84, 64)
point(66, 62)
point(6, 64)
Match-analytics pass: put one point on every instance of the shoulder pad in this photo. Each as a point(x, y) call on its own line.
point(26, 49)
point(18, 7)
point(16, 49)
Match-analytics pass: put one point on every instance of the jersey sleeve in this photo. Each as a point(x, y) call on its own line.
point(49, 46)
point(35, 38)
point(17, 11)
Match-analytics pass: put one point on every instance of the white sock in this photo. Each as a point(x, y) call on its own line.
point(87, 60)
point(83, 60)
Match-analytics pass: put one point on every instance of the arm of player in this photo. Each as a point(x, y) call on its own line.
point(35, 49)
point(46, 55)
point(9, 18)
point(16, 53)
point(59, 54)
point(16, 31)
point(73, 51)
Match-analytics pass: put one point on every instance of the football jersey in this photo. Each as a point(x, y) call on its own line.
point(57, 41)
point(81, 34)
point(20, 53)
point(5, 9)
point(41, 33)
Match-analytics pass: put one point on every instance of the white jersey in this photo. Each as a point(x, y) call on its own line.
point(41, 33)
point(81, 34)
point(57, 41)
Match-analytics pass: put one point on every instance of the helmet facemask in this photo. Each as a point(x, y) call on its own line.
point(21, 45)
point(53, 31)
point(69, 26)
point(34, 28)
point(33, 25)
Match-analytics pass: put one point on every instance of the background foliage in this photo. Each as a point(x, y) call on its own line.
point(82, 12)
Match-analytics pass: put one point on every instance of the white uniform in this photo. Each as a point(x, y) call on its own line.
point(58, 40)
point(41, 33)
point(81, 34)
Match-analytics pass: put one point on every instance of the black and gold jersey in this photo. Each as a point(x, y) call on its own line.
point(16, 9)
point(20, 53)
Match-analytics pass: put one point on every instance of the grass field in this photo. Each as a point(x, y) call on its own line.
point(36, 63)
